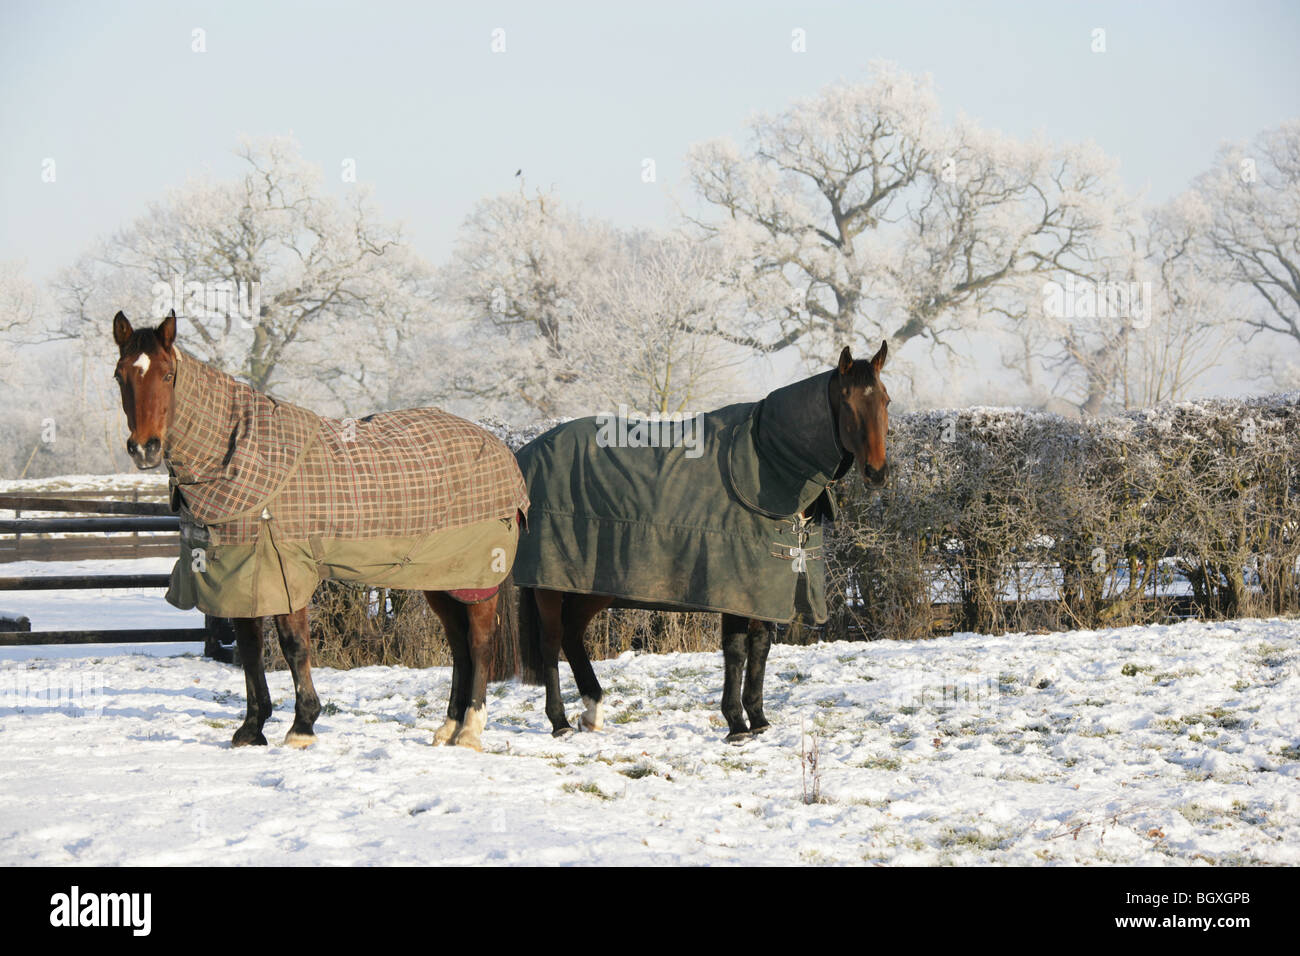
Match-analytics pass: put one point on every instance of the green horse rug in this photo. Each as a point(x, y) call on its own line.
point(715, 512)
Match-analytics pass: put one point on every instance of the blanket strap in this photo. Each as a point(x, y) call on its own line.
point(800, 554)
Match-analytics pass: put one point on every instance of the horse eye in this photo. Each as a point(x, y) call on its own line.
point(169, 376)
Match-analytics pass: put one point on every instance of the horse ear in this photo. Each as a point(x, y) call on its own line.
point(166, 330)
point(846, 361)
point(121, 330)
point(878, 362)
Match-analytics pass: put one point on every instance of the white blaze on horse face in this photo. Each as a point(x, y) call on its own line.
point(142, 363)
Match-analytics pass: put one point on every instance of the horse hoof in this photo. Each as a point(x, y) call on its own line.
point(249, 738)
point(299, 741)
point(586, 725)
point(759, 728)
point(446, 732)
point(738, 736)
point(561, 731)
point(468, 741)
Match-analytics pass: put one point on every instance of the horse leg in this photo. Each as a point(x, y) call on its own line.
point(550, 616)
point(295, 641)
point(760, 642)
point(454, 623)
point(248, 637)
point(579, 612)
point(735, 637)
point(482, 623)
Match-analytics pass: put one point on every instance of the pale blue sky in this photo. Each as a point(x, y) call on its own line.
point(582, 94)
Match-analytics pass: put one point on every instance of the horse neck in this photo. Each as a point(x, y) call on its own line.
point(204, 413)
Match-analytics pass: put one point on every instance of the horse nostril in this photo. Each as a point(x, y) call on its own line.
point(131, 446)
point(151, 446)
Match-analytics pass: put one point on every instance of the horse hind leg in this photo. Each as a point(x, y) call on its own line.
point(760, 642)
point(579, 612)
point(482, 624)
point(455, 623)
point(735, 649)
point(550, 619)
point(248, 637)
point(294, 630)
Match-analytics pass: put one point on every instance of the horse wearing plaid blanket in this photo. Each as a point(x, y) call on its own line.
point(273, 498)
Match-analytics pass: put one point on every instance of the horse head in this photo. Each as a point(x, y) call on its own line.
point(861, 407)
point(146, 374)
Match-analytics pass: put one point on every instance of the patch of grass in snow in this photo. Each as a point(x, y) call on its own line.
point(634, 712)
point(828, 702)
point(969, 838)
point(794, 677)
point(735, 763)
point(881, 763)
point(1196, 814)
point(219, 724)
point(1290, 753)
point(330, 709)
point(590, 788)
point(1132, 670)
point(636, 773)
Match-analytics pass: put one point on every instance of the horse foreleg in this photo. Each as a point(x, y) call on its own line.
point(550, 616)
point(579, 610)
point(295, 641)
point(248, 637)
point(482, 623)
point(735, 638)
point(760, 642)
point(455, 625)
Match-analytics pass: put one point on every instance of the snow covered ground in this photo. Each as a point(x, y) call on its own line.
point(1150, 745)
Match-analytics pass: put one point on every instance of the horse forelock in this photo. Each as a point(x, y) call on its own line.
point(142, 342)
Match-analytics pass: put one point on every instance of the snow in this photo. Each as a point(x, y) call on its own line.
point(1175, 744)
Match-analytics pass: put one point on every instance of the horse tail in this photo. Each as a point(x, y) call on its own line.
point(528, 636)
point(504, 662)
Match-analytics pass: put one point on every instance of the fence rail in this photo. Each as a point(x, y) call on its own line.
point(128, 518)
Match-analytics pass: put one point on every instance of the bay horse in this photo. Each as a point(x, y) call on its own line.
point(587, 549)
point(174, 404)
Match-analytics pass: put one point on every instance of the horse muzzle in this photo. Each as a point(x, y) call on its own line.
point(150, 456)
point(875, 476)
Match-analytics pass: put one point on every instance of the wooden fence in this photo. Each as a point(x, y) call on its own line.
point(92, 536)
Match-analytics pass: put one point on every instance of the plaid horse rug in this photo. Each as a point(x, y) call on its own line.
point(273, 498)
point(718, 513)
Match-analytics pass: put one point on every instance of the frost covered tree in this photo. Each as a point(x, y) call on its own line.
point(1248, 213)
point(564, 315)
point(857, 214)
point(1140, 326)
point(639, 323)
point(274, 280)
